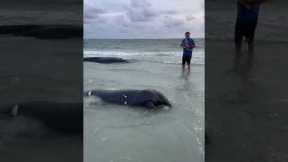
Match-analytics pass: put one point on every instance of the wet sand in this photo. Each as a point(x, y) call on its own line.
point(32, 70)
point(43, 69)
point(69, 149)
point(246, 113)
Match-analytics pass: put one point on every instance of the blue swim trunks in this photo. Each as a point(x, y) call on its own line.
point(187, 52)
point(246, 22)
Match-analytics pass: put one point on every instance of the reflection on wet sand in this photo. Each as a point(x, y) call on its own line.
point(185, 74)
point(245, 114)
point(246, 107)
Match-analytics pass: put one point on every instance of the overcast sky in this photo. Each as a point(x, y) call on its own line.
point(143, 18)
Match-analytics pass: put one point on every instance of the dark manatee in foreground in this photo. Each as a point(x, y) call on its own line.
point(59, 116)
point(151, 99)
point(106, 60)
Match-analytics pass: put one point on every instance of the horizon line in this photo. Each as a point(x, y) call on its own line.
point(147, 38)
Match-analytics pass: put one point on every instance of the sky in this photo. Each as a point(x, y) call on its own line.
point(132, 19)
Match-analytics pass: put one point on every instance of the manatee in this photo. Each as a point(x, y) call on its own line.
point(106, 60)
point(59, 116)
point(43, 31)
point(147, 98)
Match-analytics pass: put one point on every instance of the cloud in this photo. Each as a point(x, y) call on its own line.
point(91, 13)
point(171, 22)
point(143, 11)
point(190, 18)
point(140, 11)
point(141, 18)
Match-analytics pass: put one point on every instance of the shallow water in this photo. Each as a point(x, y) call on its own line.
point(121, 134)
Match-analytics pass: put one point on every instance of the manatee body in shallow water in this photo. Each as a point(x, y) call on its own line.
point(43, 31)
point(106, 60)
point(60, 116)
point(144, 98)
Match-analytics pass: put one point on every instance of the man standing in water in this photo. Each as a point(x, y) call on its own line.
point(247, 17)
point(187, 45)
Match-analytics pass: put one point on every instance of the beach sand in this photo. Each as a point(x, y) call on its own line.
point(65, 149)
point(31, 70)
point(246, 113)
point(39, 69)
point(246, 116)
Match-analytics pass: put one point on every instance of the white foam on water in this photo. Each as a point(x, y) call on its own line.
point(161, 57)
point(88, 53)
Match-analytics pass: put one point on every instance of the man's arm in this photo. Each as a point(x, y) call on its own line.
point(182, 44)
point(193, 44)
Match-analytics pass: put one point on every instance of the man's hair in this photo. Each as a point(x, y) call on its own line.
point(187, 33)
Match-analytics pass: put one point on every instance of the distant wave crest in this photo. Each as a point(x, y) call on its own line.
point(167, 57)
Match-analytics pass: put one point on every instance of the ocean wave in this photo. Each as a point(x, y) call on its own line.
point(97, 53)
point(166, 57)
point(88, 53)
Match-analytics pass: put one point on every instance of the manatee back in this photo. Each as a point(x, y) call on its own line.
point(111, 96)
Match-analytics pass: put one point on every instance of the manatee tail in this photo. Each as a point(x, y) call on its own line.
point(88, 93)
point(14, 111)
point(11, 110)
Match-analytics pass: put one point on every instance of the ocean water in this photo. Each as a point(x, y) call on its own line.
point(116, 133)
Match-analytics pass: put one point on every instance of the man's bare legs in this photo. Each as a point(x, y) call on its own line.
point(238, 54)
point(188, 64)
point(183, 68)
point(184, 73)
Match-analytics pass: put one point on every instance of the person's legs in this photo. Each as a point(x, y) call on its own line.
point(250, 41)
point(188, 63)
point(238, 37)
point(183, 63)
point(186, 59)
point(238, 54)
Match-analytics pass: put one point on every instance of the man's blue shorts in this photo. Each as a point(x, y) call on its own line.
point(246, 23)
point(187, 55)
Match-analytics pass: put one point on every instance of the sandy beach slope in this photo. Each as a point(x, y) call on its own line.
point(31, 70)
point(34, 69)
point(246, 113)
